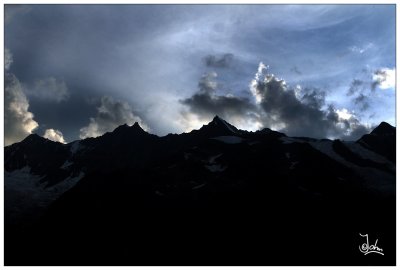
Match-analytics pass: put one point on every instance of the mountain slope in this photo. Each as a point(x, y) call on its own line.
point(381, 140)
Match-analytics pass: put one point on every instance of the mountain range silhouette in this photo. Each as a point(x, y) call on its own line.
point(213, 196)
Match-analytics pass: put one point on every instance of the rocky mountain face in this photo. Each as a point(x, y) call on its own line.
point(214, 196)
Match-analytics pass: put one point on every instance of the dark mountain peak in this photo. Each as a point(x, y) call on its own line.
point(219, 121)
point(135, 128)
point(381, 140)
point(384, 129)
point(265, 133)
point(266, 130)
point(217, 118)
point(121, 128)
point(37, 140)
point(33, 138)
point(219, 127)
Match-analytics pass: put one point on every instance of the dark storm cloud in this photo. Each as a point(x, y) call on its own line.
point(225, 106)
point(358, 130)
point(301, 115)
point(282, 107)
point(223, 61)
point(277, 106)
point(313, 98)
point(206, 103)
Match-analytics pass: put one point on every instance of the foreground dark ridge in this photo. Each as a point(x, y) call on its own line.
point(213, 196)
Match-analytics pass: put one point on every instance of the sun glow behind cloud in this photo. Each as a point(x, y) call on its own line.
point(254, 83)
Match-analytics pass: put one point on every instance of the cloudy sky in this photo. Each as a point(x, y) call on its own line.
point(77, 71)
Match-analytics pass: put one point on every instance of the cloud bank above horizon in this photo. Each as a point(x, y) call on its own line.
point(78, 71)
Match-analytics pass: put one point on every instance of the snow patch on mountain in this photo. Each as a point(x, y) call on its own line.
point(326, 147)
point(365, 153)
point(374, 180)
point(27, 198)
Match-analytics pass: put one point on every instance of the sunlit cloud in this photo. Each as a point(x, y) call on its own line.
point(18, 120)
point(54, 135)
point(257, 77)
point(344, 114)
point(384, 78)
